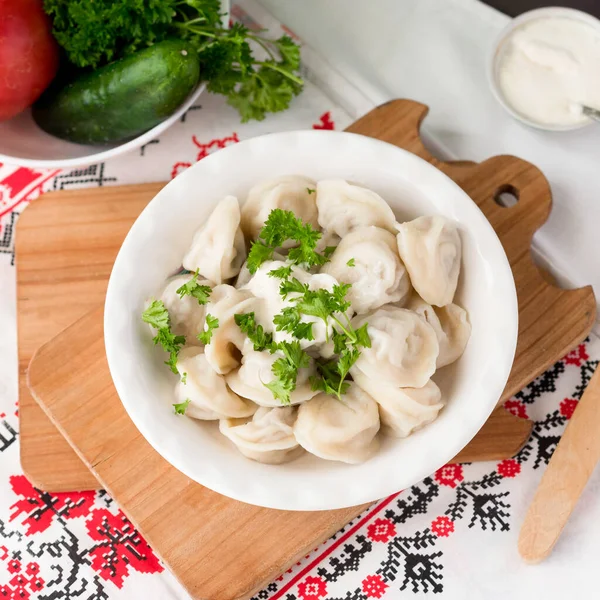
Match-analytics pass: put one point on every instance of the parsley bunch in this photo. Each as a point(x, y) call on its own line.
point(157, 316)
point(96, 33)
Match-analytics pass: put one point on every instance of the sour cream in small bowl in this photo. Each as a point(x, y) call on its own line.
point(546, 65)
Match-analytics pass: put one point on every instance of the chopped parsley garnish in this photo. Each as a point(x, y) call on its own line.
point(332, 374)
point(329, 306)
point(280, 226)
point(293, 285)
point(181, 407)
point(194, 289)
point(212, 323)
point(281, 273)
point(285, 370)
point(329, 250)
point(310, 190)
point(256, 333)
point(157, 316)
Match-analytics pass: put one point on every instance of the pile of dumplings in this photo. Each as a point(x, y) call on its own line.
point(404, 277)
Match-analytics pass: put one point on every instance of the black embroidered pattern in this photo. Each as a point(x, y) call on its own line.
point(413, 563)
point(94, 174)
point(7, 239)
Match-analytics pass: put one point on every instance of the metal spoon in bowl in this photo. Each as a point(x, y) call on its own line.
point(592, 113)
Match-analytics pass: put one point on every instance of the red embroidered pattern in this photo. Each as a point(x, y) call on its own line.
point(205, 150)
point(509, 468)
point(450, 475)
point(516, 408)
point(42, 508)
point(442, 526)
point(22, 584)
point(577, 357)
point(312, 588)
point(381, 530)
point(374, 586)
point(567, 407)
point(325, 122)
point(120, 547)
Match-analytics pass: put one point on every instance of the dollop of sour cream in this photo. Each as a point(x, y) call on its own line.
point(549, 68)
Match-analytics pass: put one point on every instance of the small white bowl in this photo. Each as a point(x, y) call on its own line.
point(154, 248)
point(23, 143)
point(500, 46)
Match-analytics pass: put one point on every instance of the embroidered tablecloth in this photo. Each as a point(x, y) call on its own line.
point(454, 534)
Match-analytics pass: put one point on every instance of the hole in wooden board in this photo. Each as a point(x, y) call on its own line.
point(506, 196)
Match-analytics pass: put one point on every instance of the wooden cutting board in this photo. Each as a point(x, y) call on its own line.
point(66, 243)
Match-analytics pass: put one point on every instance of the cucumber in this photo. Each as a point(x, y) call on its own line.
point(122, 99)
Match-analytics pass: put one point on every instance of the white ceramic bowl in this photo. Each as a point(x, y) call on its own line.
point(23, 143)
point(501, 44)
point(154, 248)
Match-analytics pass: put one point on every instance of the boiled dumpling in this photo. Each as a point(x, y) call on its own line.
point(264, 286)
point(328, 239)
point(245, 276)
point(343, 430)
point(208, 394)
point(223, 353)
point(268, 437)
point(404, 348)
point(218, 249)
point(451, 325)
point(368, 259)
point(290, 192)
point(403, 410)
point(255, 371)
point(186, 314)
point(344, 207)
point(430, 247)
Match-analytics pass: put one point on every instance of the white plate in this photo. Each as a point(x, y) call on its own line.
point(156, 244)
point(23, 143)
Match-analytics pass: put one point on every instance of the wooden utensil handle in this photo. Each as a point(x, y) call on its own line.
point(569, 469)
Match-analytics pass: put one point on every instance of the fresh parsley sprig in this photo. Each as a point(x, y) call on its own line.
point(212, 323)
point(181, 407)
point(157, 316)
point(331, 307)
point(281, 226)
point(285, 370)
point(256, 334)
point(194, 289)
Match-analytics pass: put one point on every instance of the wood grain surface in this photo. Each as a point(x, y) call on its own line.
point(65, 247)
point(565, 477)
point(66, 243)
